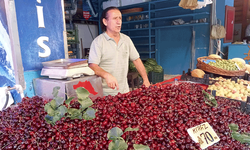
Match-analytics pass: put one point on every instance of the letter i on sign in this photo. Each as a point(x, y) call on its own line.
point(41, 39)
point(40, 15)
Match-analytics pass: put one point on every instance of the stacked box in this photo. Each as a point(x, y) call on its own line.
point(72, 36)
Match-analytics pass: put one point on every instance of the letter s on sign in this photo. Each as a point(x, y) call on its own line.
point(47, 51)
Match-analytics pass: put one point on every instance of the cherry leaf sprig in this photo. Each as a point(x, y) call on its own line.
point(209, 99)
point(243, 138)
point(118, 143)
point(56, 109)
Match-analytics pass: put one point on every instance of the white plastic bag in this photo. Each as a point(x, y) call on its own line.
point(203, 3)
point(3, 98)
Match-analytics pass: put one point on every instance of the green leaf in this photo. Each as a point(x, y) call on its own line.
point(53, 104)
point(48, 119)
point(50, 111)
point(114, 133)
point(85, 102)
point(76, 117)
point(118, 144)
point(131, 129)
point(55, 91)
point(56, 118)
point(89, 114)
point(69, 100)
point(82, 93)
point(209, 99)
point(62, 110)
point(243, 138)
point(59, 101)
point(233, 127)
point(74, 112)
point(141, 147)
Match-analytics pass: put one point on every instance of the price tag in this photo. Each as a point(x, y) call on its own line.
point(204, 135)
point(237, 66)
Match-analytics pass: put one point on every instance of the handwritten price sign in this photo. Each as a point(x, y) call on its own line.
point(204, 135)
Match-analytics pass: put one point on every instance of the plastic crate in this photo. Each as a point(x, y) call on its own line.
point(72, 36)
point(154, 77)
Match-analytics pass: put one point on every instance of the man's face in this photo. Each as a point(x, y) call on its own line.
point(113, 21)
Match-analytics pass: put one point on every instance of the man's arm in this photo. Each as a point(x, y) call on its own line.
point(110, 80)
point(141, 69)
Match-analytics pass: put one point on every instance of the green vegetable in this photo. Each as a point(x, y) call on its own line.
point(157, 69)
point(243, 138)
point(209, 99)
point(151, 62)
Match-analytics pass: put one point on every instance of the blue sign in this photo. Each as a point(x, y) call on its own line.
point(40, 28)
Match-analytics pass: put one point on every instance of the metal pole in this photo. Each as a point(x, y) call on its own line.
point(213, 21)
point(193, 49)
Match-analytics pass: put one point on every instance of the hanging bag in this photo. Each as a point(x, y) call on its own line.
point(218, 31)
point(188, 4)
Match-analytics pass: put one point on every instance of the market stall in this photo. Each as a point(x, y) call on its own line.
point(173, 114)
point(204, 108)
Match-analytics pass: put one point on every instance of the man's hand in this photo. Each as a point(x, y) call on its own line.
point(111, 81)
point(146, 83)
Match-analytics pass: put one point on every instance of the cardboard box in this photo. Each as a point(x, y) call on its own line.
point(131, 2)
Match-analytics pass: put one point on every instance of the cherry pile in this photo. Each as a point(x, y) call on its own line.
point(162, 113)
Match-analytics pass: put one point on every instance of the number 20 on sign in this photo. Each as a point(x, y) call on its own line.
point(204, 135)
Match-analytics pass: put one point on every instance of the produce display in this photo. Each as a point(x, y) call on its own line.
point(198, 73)
point(162, 115)
point(242, 61)
point(230, 89)
point(214, 56)
point(227, 64)
point(150, 65)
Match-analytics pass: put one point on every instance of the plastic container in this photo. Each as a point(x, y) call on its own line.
point(156, 77)
point(72, 36)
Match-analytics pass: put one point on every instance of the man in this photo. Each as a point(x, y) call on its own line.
point(110, 53)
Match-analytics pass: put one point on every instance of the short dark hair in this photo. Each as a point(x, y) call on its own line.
point(104, 15)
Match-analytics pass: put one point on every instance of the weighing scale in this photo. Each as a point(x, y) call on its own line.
point(66, 68)
point(68, 74)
